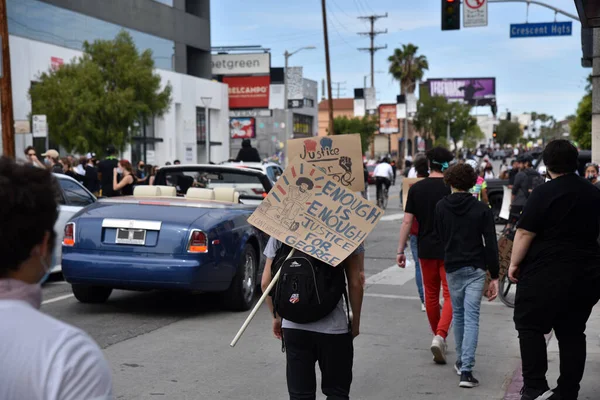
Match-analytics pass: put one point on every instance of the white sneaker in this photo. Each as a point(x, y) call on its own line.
point(438, 348)
point(423, 307)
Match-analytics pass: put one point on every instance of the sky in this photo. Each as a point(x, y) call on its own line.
point(535, 74)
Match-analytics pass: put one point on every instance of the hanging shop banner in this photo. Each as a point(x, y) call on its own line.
point(248, 91)
point(388, 121)
point(242, 128)
point(340, 156)
point(313, 213)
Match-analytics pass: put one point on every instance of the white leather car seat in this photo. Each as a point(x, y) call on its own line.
point(146, 191)
point(168, 191)
point(200, 194)
point(227, 194)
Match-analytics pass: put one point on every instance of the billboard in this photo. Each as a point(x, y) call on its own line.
point(241, 64)
point(388, 121)
point(248, 91)
point(474, 91)
point(242, 128)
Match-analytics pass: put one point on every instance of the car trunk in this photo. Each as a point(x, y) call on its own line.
point(139, 229)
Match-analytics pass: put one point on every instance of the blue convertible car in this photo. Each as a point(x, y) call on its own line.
point(189, 233)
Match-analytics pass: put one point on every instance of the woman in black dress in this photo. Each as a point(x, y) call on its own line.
point(125, 186)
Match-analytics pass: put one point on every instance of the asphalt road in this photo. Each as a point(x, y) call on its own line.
point(175, 346)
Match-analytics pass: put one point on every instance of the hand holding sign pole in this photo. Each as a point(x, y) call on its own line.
point(313, 213)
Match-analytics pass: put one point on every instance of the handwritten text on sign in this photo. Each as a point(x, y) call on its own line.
point(311, 212)
point(339, 156)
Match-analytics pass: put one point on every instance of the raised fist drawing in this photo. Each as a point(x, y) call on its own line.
point(346, 164)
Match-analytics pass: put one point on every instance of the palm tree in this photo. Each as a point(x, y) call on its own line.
point(408, 68)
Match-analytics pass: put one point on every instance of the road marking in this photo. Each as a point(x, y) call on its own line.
point(59, 298)
point(393, 275)
point(396, 296)
point(392, 217)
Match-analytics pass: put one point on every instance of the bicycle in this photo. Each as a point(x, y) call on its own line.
point(382, 201)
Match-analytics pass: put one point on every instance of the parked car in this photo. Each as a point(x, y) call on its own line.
point(371, 169)
point(499, 155)
point(272, 170)
point(72, 197)
point(253, 185)
point(198, 242)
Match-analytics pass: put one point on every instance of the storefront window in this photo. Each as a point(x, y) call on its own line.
point(303, 125)
point(200, 124)
point(44, 22)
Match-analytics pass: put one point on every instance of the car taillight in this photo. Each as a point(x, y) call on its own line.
point(69, 237)
point(198, 242)
point(260, 192)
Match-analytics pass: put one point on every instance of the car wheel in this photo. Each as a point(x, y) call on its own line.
point(91, 294)
point(240, 295)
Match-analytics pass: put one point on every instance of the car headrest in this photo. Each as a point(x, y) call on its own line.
point(146, 191)
point(227, 194)
point(169, 191)
point(201, 194)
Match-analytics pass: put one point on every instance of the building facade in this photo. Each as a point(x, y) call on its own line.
point(49, 33)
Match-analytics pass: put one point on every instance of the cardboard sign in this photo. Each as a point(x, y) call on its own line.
point(505, 246)
point(310, 211)
point(340, 156)
point(406, 184)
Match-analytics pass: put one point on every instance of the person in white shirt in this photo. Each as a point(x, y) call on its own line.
point(383, 175)
point(41, 358)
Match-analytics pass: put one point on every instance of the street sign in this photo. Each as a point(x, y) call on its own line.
point(250, 113)
point(40, 126)
point(475, 13)
point(541, 29)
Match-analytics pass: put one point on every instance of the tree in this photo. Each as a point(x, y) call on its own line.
point(431, 116)
point(508, 132)
point(101, 97)
point(407, 68)
point(365, 126)
point(581, 126)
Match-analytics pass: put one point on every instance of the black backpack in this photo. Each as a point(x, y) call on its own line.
point(308, 289)
point(535, 181)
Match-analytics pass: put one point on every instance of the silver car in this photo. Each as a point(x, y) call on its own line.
point(72, 197)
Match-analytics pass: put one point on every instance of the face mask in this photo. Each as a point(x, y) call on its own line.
point(47, 162)
point(591, 177)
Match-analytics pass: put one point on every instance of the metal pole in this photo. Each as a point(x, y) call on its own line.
point(145, 136)
point(6, 108)
point(539, 3)
point(596, 98)
point(207, 135)
point(328, 65)
point(448, 133)
point(285, 97)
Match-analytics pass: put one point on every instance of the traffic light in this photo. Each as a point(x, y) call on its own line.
point(495, 131)
point(450, 15)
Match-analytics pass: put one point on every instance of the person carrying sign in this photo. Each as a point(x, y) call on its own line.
point(328, 340)
point(422, 199)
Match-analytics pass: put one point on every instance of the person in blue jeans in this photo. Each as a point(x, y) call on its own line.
point(461, 221)
point(422, 169)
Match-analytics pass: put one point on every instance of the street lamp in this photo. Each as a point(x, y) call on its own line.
point(206, 101)
point(287, 55)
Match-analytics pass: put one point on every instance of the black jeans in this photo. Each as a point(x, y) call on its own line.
point(335, 355)
point(379, 182)
point(559, 297)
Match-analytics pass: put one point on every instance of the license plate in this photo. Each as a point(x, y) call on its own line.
point(131, 236)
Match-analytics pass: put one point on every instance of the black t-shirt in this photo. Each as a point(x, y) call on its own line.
point(106, 167)
point(511, 176)
point(565, 216)
point(423, 196)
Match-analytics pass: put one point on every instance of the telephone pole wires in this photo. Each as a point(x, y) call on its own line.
point(372, 34)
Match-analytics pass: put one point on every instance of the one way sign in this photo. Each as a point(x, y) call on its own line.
point(475, 13)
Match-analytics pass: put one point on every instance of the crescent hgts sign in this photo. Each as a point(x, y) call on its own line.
point(241, 64)
point(248, 91)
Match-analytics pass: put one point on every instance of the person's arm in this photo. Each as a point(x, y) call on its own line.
point(264, 284)
point(124, 182)
point(151, 181)
point(391, 173)
point(521, 245)
point(404, 232)
point(484, 194)
point(491, 244)
point(517, 185)
point(355, 269)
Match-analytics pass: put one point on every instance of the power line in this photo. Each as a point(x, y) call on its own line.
point(372, 34)
point(339, 87)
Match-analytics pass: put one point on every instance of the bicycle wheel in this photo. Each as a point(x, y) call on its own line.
point(384, 199)
point(507, 291)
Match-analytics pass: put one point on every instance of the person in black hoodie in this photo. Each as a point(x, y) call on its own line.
point(248, 153)
point(461, 222)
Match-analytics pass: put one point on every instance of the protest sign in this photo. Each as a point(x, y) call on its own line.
point(340, 156)
point(506, 200)
point(406, 184)
point(505, 246)
point(310, 211)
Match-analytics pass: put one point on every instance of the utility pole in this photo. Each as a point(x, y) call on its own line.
point(328, 66)
point(372, 34)
point(338, 84)
point(6, 108)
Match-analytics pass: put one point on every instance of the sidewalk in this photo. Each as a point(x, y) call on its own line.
point(590, 385)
